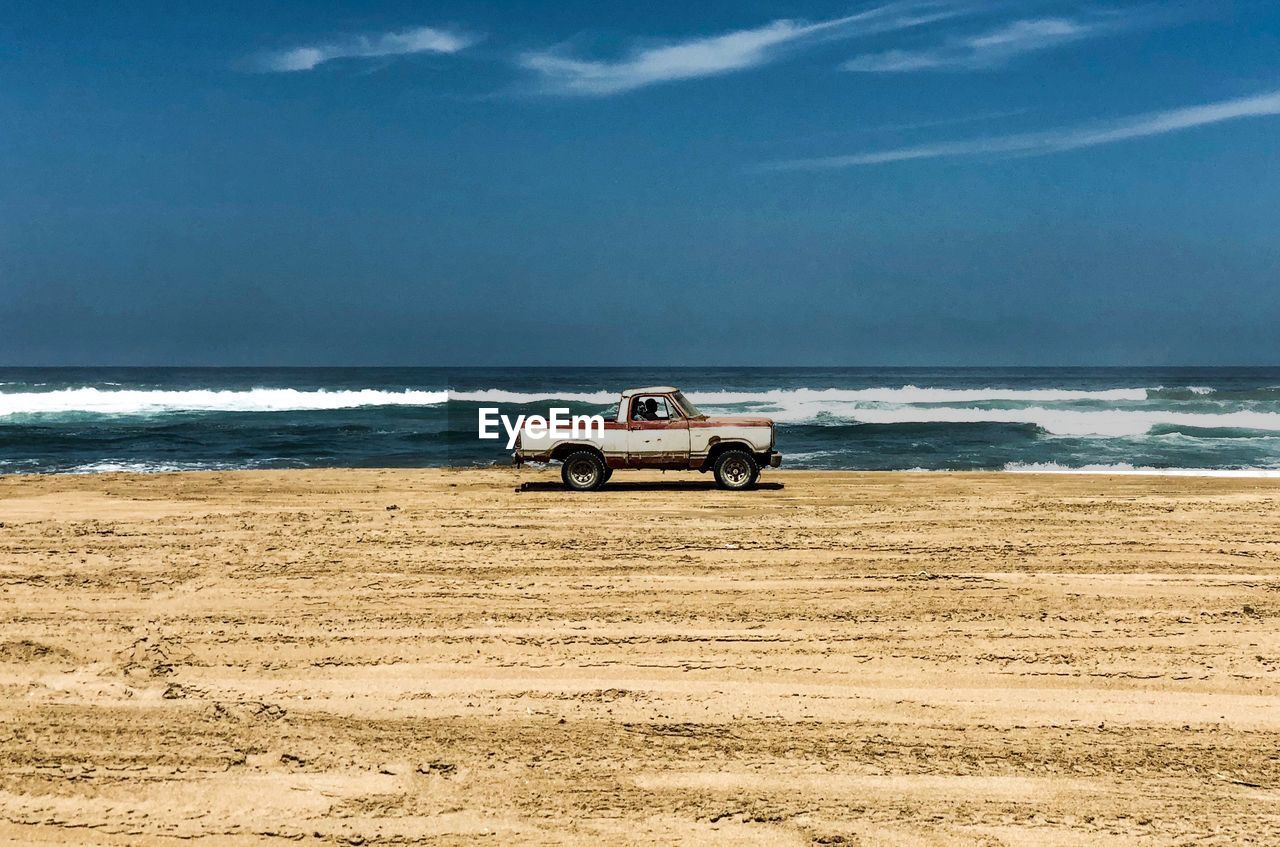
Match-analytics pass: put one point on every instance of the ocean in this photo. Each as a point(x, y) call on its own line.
point(1173, 420)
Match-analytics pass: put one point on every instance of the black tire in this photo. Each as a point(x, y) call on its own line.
point(608, 473)
point(736, 470)
point(583, 470)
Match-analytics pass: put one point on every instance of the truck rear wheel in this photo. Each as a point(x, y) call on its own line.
point(736, 470)
point(583, 471)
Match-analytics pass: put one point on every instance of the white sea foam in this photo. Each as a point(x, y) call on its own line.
point(523, 398)
point(151, 467)
point(1110, 422)
point(791, 396)
point(131, 402)
point(906, 404)
point(1124, 468)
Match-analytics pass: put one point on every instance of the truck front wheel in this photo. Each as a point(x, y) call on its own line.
point(583, 471)
point(736, 470)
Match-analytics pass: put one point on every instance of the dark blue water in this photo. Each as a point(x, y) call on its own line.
point(96, 419)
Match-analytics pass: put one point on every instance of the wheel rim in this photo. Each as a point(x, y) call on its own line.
point(582, 472)
point(735, 471)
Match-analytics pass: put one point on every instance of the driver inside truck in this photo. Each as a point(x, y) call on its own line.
point(647, 410)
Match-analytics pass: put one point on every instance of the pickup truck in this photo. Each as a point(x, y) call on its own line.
point(657, 427)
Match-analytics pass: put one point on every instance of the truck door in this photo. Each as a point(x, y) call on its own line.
point(662, 441)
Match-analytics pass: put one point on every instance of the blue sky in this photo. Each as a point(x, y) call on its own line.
point(985, 183)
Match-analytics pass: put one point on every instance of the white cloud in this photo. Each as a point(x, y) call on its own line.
point(985, 50)
point(718, 54)
point(1060, 140)
point(421, 40)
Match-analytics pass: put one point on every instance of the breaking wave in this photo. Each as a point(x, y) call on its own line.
point(915, 406)
point(132, 402)
point(1124, 468)
point(523, 398)
point(787, 397)
point(1056, 411)
point(1066, 421)
point(150, 467)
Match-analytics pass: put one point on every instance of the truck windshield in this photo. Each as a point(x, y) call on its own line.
point(690, 410)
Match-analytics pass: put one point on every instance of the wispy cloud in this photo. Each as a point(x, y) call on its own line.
point(1059, 140)
point(423, 39)
point(976, 117)
point(988, 49)
point(719, 54)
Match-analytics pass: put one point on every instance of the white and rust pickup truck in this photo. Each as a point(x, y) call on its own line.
point(657, 427)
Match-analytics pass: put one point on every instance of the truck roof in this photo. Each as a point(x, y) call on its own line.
point(652, 389)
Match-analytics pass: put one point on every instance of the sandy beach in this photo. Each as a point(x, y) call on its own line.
point(402, 656)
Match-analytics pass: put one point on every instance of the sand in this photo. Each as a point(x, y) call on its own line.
point(391, 657)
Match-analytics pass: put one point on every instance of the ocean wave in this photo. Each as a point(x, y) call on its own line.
point(1047, 409)
point(130, 402)
point(1124, 468)
point(1215, 433)
point(1109, 422)
point(787, 397)
point(528, 398)
point(836, 407)
point(153, 467)
point(1182, 391)
point(1186, 392)
point(843, 431)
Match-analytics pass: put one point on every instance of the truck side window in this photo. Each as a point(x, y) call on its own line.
point(651, 408)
